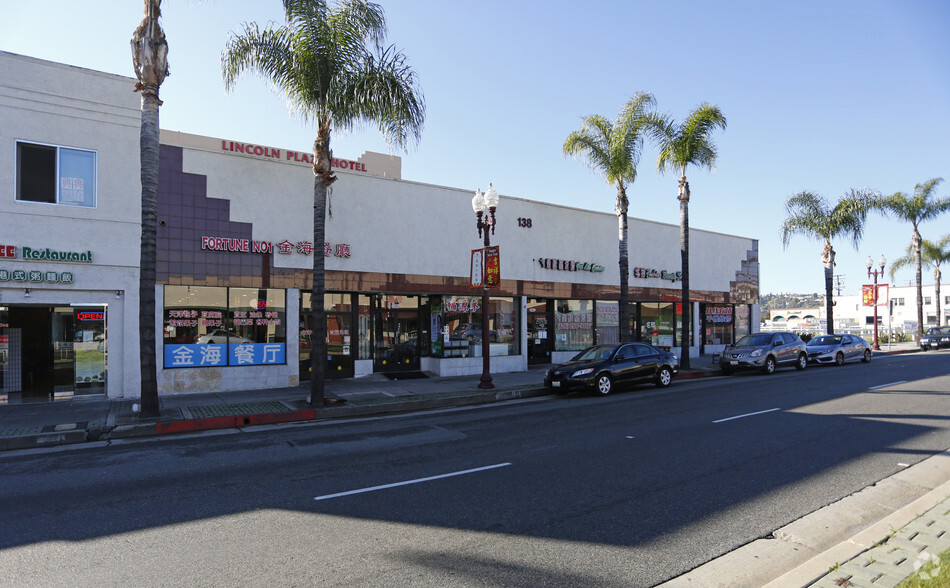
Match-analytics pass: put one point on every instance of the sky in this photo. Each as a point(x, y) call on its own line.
point(819, 96)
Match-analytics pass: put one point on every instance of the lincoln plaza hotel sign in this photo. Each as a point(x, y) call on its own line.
point(287, 155)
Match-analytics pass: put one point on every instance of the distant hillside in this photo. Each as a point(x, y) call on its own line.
point(769, 302)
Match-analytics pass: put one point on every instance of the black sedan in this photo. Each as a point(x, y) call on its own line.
point(602, 367)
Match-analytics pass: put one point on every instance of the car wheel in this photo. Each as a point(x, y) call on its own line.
point(867, 356)
point(769, 366)
point(802, 361)
point(604, 384)
point(839, 359)
point(664, 378)
point(210, 341)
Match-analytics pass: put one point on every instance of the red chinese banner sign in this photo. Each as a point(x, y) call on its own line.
point(492, 267)
point(867, 295)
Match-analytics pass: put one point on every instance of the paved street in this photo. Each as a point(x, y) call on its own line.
point(629, 490)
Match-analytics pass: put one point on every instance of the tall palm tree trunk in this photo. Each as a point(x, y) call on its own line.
point(150, 61)
point(920, 283)
point(828, 260)
point(687, 330)
point(621, 209)
point(149, 146)
point(937, 286)
point(323, 178)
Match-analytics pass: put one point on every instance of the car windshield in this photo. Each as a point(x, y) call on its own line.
point(756, 340)
point(599, 352)
point(826, 340)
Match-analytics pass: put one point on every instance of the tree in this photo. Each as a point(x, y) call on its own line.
point(612, 149)
point(916, 209)
point(150, 60)
point(333, 68)
point(931, 255)
point(682, 145)
point(810, 215)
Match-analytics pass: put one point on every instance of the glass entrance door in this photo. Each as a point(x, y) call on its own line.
point(539, 331)
point(340, 347)
point(397, 340)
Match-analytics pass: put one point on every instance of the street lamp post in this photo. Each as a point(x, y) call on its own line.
point(484, 206)
point(875, 273)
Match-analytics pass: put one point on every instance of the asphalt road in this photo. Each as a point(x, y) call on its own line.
point(628, 490)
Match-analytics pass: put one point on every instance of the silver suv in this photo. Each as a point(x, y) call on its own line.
point(764, 351)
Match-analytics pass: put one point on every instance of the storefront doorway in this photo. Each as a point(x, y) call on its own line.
point(397, 340)
point(540, 327)
point(49, 352)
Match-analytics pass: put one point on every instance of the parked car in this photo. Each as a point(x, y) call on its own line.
point(602, 367)
point(838, 349)
point(764, 351)
point(222, 336)
point(935, 338)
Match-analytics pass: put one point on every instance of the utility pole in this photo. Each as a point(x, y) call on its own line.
point(839, 283)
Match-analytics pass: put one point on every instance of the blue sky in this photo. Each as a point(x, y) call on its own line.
point(820, 96)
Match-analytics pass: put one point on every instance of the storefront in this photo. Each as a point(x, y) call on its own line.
point(235, 255)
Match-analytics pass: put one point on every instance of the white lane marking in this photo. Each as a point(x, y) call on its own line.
point(416, 481)
point(742, 416)
point(886, 385)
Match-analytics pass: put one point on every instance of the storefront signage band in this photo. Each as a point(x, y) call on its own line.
point(287, 155)
point(646, 273)
point(569, 265)
point(36, 276)
point(46, 254)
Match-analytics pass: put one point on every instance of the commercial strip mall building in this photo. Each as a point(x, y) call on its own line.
point(235, 251)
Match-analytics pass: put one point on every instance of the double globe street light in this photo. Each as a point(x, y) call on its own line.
point(484, 205)
point(870, 263)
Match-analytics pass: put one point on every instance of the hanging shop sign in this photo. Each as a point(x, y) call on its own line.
point(285, 247)
point(478, 267)
point(45, 254)
point(492, 267)
point(569, 265)
point(647, 273)
point(867, 295)
point(36, 276)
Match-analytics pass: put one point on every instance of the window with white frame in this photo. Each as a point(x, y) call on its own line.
point(55, 175)
point(927, 301)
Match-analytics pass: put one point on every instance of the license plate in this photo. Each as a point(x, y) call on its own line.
point(733, 362)
point(555, 384)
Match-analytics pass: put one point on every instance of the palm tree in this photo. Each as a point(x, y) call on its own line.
point(331, 65)
point(810, 215)
point(150, 60)
point(931, 254)
point(920, 207)
point(612, 149)
point(682, 145)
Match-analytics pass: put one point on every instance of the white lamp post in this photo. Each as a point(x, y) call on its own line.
point(483, 203)
point(870, 263)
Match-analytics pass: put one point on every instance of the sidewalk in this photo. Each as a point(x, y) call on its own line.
point(78, 420)
point(840, 545)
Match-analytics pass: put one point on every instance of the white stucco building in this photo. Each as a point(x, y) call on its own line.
point(235, 252)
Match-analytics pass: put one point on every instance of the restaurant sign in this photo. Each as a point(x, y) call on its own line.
point(647, 273)
point(45, 254)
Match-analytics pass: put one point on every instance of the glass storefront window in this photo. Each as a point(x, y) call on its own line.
point(656, 323)
point(573, 325)
point(608, 322)
point(257, 315)
point(461, 325)
point(742, 320)
point(212, 327)
point(718, 321)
